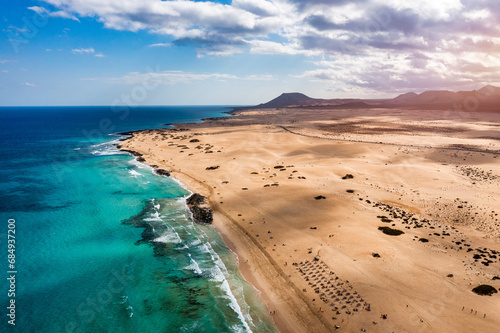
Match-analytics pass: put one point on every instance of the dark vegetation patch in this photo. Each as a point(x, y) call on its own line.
point(423, 240)
point(384, 219)
point(390, 231)
point(212, 167)
point(348, 176)
point(485, 290)
point(350, 191)
point(319, 197)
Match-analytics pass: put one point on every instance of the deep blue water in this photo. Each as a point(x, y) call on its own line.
point(80, 262)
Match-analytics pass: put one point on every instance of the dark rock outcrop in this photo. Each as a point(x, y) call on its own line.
point(133, 153)
point(200, 208)
point(163, 172)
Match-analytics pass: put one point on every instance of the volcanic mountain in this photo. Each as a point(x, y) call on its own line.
point(486, 97)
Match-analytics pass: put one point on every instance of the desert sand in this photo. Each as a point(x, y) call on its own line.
point(289, 185)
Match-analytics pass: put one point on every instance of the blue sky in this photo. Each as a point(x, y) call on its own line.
point(241, 52)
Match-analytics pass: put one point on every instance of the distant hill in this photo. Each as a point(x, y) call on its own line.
point(405, 97)
point(488, 96)
point(290, 99)
point(299, 99)
point(489, 91)
point(440, 96)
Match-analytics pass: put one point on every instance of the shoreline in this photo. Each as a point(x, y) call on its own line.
point(233, 161)
point(232, 236)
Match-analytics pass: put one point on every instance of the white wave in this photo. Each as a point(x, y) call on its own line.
point(219, 275)
point(139, 165)
point(106, 148)
point(194, 243)
point(131, 311)
point(180, 248)
point(123, 300)
point(170, 236)
point(193, 266)
point(134, 173)
point(105, 152)
point(154, 217)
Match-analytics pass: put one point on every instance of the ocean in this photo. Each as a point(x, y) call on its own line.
point(78, 208)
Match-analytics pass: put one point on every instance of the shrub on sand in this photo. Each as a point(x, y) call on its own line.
point(485, 290)
point(390, 231)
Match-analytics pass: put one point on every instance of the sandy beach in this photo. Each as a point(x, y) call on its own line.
point(311, 200)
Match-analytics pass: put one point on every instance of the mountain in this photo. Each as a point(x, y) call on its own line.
point(289, 99)
point(489, 90)
point(487, 97)
point(298, 99)
point(439, 96)
point(405, 97)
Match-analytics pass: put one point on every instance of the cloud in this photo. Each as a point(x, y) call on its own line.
point(270, 47)
point(61, 13)
point(399, 73)
point(5, 61)
point(164, 78)
point(261, 77)
point(28, 84)
point(89, 50)
point(161, 45)
point(424, 41)
point(176, 77)
point(99, 55)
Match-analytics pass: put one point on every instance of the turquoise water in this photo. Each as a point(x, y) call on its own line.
point(81, 208)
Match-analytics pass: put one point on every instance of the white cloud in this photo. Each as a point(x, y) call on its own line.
point(99, 55)
point(479, 14)
point(222, 50)
point(28, 84)
point(5, 61)
point(161, 45)
point(261, 77)
point(89, 50)
point(164, 78)
point(60, 13)
point(269, 47)
point(373, 44)
point(4, 71)
point(39, 10)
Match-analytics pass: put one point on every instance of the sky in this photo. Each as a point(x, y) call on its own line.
point(241, 52)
